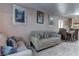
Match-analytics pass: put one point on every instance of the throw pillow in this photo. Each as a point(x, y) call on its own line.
point(54, 34)
point(41, 35)
point(12, 42)
point(50, 34)
point(46, 34)
point(36, 35)
point(6, 50)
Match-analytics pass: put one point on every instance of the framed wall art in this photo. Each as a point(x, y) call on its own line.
point(19, 15)
point(50, 20)
point(40, 17)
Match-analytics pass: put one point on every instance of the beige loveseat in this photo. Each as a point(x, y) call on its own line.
point(44, 39)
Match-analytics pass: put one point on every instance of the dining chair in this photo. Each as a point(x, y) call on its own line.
point(74, 36)
point(63, 33)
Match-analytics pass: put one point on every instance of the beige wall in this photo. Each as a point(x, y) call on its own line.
point(7, 27)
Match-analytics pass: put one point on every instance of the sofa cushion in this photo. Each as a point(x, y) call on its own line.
point(26, 52)
point(49, 40)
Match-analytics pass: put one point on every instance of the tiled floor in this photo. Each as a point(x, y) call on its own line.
point(63, 49)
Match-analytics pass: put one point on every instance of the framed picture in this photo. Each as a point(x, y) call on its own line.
point(50, 20)
point(19, 15)
point(40, 17)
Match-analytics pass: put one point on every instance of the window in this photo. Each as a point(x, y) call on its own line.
point(60, 24)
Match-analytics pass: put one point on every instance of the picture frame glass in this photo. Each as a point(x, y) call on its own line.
point(40, 17)
point(50, 20)
point(19, 15)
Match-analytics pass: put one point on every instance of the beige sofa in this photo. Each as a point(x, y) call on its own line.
point(44, 39)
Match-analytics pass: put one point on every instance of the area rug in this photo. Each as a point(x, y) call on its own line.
point(62, 49)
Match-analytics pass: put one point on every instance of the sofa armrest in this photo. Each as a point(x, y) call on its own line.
point(35, 41)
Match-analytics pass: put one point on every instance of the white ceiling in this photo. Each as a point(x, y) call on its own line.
point(57, 9)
